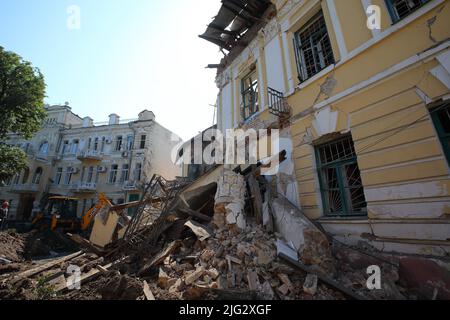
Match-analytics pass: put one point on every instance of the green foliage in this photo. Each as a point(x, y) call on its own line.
point(12, 161)
point(22, 93)
point(44, 291)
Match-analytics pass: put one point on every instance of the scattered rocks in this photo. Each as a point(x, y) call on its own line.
point(310, 285)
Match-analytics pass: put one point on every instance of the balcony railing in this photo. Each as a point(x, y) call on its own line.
point(25, 188)
point(130, 186)
point(89, 155)
point(84, 187)
point(277, 103)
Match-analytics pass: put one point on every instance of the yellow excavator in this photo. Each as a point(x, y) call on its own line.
point(60, 212)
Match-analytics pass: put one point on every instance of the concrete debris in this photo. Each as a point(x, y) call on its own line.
point(310, 285)
point(217, 250)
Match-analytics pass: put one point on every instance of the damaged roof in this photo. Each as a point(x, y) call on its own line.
point(234, 19)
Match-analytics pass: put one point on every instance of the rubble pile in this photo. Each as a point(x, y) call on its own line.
point(12, 247)
point(206, 245)
point(237, 263)
point(16, 247)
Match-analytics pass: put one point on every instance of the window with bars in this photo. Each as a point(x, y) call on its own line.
point(340, 178)
point(250, 93)
point(313, 49)
point(402, 8)
point(441, 119)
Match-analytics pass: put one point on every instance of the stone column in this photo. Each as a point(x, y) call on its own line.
point(230, 201)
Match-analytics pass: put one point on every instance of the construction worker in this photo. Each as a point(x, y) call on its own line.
point(4, 214)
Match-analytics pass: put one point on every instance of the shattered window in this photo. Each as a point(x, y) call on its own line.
point(340, 178)
point(441, 119)
point(313, 50)
point(402, 8)
point(250, 92)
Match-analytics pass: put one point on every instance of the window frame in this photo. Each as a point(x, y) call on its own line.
point(393, 11)
point(253, 91)
point(58, 176)
point(338, 166)
point(303, 74)
point(143, 141)
point(38, 173)
point(443, 137)
point(113, 173)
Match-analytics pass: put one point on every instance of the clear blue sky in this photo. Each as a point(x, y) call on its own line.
point(128, 55)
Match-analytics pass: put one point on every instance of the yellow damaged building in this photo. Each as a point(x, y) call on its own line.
point(361, 92)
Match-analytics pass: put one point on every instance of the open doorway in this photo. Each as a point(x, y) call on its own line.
point(25, 207)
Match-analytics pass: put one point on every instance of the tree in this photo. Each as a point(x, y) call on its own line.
point(22, 93)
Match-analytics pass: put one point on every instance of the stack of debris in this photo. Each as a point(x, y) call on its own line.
point(235, 239)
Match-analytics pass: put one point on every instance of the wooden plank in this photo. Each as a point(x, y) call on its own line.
point(37, 270)
point(328, 281)
point(257, 199)
point(160, 257)
point(253, 281)
point(85, 243)
point(92, 274)
point(148, 293)
point(196, 214)
point(102, 269)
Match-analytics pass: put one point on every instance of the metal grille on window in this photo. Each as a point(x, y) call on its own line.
point(313, 49)
point(341, 183)
point(250, 92)
point(402, 8)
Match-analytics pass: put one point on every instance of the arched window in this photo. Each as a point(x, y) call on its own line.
point(43, 149)
point(37, 175)
point(26, 175)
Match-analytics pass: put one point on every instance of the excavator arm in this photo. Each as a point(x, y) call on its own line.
point(86, 220)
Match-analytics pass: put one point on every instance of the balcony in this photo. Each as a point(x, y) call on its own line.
point(278, 105)
point(89, 155)
point(84, 187)
point(130, 186)
point(25, 188)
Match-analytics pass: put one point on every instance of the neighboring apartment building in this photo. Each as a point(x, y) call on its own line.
point(369, 110)
point(71, 156)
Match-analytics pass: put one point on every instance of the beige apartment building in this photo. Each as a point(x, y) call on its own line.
point(71, 156)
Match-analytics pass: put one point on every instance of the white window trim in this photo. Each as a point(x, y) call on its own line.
point(343, 52)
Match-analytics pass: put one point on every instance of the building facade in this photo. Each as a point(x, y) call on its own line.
point(367, 110)
point(71, 156)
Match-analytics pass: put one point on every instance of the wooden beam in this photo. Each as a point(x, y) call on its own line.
point(160, 257)
point(257, 199)
point(148, 293)
point(85, 243)
point(51, 264)
point(196, 214)
point(92, 274)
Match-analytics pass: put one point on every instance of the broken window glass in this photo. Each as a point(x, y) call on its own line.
point(250, 93)
point(313, 49)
